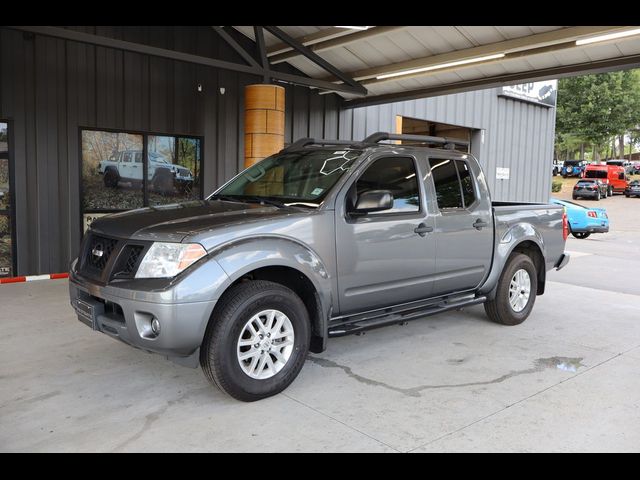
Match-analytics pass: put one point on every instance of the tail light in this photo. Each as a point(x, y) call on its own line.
point(592, 214)
point(565, 226)
point(575, 187)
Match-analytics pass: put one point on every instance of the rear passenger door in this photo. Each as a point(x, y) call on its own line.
point(464, 223)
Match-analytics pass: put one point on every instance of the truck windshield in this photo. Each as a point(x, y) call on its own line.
point(595, 174)
point(292, 178)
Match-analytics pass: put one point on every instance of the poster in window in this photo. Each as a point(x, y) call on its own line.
point(173, 169)
point(112, 170)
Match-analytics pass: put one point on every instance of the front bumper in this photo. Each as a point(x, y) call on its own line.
point(126, 315)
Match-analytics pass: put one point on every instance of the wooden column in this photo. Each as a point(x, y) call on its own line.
point(263, 122)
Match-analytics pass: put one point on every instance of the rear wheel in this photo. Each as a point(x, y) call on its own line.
point(516, 292)
point(257, 340)
point(598, 196)
point(581, 235)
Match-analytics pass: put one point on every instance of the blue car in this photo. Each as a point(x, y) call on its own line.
point(584, 221)
point(573, 168)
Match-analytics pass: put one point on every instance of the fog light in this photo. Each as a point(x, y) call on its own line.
point(155, 326)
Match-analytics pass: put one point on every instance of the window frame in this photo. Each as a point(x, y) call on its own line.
point(464, 208)
point(11, 211)
point(384, 215)
point(145, 167)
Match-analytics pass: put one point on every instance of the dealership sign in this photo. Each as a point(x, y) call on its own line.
point(542, 93)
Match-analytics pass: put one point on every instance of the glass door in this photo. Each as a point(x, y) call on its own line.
point(7, 264)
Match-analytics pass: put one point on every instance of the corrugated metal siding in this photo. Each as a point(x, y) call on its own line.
point(517, 135)
point(51, 87)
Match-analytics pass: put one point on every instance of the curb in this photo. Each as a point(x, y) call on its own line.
point(31, 278)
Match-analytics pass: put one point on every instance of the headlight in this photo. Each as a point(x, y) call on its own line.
point(164, 260)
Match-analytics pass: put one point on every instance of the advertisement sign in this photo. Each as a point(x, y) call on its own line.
point(542, 93)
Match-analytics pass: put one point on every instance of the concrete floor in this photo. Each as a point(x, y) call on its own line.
point(568, 379)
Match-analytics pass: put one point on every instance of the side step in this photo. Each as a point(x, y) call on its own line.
point(347, 325)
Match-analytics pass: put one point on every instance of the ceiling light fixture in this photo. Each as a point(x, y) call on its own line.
point(609, 36)
point(354, 28)
point(441, 65)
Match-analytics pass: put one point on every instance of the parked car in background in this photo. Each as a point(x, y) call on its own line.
point(633, 189)
point(590, 188)
point(613, 175)
point(583, 221)
point(621, 162)
point(557, 167)
point(635, 168)
point(572, 168)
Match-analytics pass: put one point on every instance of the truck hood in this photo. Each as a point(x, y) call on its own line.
point(175, 222)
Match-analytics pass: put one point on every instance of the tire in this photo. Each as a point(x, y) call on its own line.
point(219, 353)
point(611, 192)
point(574, 197)
point(564, 176)
point(581, 235)
point(626, 195)
point(111, 178)
point(598, 196)
point(500, 309)
point(162, 182)
point(605, 194)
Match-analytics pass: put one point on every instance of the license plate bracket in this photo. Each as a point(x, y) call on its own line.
point(88, 311)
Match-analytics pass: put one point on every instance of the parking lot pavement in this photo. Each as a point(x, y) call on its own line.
point(568, 379)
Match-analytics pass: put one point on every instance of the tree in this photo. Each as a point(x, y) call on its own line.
point(597, 108)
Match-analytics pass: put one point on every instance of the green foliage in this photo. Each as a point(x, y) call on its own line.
point(556, 186)
point(595, 108)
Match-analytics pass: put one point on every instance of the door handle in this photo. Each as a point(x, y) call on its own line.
point(478, 224)
point(423, 229)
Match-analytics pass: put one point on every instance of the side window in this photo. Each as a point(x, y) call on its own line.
point(138, 157)
point(396, 174)
point(445, 179)
point(466, 181)
point(126, 157)
point(453, 182)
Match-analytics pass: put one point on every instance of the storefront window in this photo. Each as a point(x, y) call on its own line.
point(114, 166)
point(6, 238)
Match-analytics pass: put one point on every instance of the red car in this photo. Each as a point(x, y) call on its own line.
point(613, 175)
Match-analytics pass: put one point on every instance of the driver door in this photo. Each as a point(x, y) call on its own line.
point(381, 259)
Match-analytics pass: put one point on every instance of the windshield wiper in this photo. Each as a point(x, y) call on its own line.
point(228, 198)
point(261, 200)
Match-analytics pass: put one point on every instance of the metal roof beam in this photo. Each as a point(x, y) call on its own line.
point(73, 35)
point(564, 38)
point(336, 42)
point(311, 39)
point(316, 59)
point(236, 46)
point(608, 65)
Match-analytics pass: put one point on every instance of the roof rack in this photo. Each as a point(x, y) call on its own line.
point(446, 141)
point(376, 138)
point(303, 142)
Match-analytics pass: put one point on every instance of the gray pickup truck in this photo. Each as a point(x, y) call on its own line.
point(325, 238)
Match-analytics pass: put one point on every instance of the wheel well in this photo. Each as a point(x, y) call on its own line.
point(532, 250)
point(303, 287)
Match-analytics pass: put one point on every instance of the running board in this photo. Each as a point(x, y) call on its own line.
point(348, 325)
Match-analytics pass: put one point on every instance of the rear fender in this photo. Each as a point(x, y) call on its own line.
point(508, 242)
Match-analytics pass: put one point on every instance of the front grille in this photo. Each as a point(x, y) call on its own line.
point(119, 259)
point(128, 261)
point(99, 252)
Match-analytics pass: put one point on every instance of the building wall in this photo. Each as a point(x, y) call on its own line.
point(49, 88)
point(517, 135)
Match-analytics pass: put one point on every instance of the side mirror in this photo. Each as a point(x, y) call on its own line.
point(373, 201)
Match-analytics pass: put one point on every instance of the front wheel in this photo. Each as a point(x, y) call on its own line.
point(516, 292)
point(257, 340)
point(581, 235)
